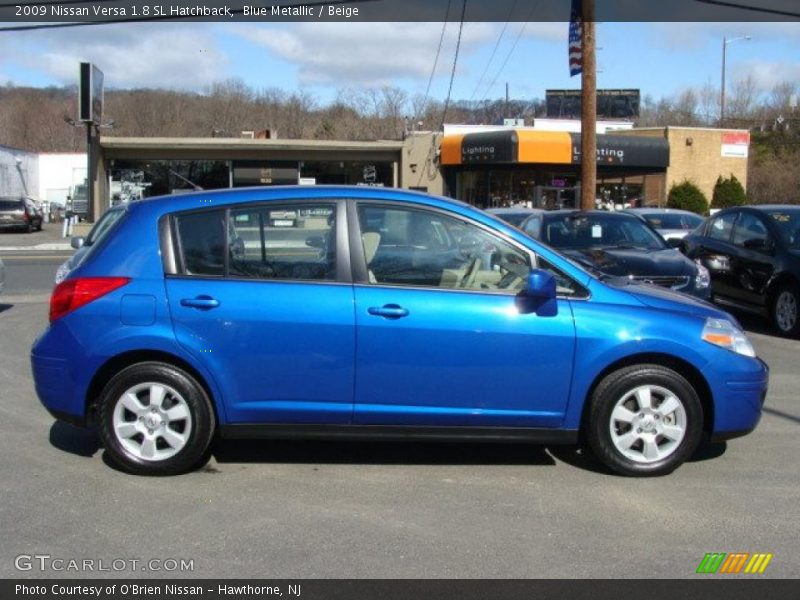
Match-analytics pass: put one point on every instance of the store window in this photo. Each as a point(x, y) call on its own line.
point(133, 180)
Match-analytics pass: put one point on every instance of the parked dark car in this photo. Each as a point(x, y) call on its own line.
point(20, 213)
point(512, 214)
point(618, 245)
point(753, 255)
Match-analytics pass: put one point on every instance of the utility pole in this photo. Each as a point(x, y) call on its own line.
point(91, 171)
point(588, 107)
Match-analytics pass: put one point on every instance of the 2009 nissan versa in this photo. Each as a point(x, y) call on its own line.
point(376, 313)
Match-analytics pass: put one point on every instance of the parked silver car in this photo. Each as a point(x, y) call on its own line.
point(20, 213)
point(671, 223)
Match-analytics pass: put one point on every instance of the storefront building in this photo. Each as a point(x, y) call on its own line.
point(489, 167)
point(542, 168)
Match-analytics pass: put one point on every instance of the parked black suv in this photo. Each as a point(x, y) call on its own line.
point(753, 255)
point(20, 213)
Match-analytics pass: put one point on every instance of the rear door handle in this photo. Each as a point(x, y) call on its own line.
point(389, 311)
point(201, 302)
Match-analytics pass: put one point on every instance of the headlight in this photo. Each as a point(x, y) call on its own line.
point(722, 332)
point(703, 278)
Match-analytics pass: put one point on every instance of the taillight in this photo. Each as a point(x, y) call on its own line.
point(74, 293)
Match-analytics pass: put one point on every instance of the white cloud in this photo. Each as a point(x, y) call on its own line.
point(353, 54)
point(767, 74)
point(691, 36)
point(164, 56)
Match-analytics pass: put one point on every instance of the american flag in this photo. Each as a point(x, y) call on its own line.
point(575, 45)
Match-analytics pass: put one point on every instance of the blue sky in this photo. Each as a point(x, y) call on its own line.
point(661, 59)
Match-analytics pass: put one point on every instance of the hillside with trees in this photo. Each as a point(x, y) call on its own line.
point(38, 119)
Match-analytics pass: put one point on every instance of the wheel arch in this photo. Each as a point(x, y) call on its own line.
point(115, 364)
point(776, 284)
point(684, 368)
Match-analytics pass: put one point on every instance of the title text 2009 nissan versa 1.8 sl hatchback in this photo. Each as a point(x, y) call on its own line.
point(375, 313)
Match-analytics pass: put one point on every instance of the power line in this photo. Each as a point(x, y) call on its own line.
point(771, 11)
point(511, 51)
point(435, 60)
point(455, 62)
point(494, 51)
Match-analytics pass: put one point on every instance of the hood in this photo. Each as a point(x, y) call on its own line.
point(621, 262)
point(666, 299)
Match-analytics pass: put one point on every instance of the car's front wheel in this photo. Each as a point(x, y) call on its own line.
point(644, 420)
point(155, 419)
point(784, 310)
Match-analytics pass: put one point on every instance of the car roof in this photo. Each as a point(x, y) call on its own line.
point(228, 196)
point(765, 207)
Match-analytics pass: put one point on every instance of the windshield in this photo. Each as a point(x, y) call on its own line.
point(788, 222)
point(581, 230)
point(673, 221)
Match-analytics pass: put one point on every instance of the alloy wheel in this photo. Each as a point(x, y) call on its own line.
point(648, 424)
point(152, 421)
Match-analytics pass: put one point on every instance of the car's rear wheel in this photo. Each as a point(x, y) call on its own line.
point(155, 419)
point(784, 310)
point(644, 420)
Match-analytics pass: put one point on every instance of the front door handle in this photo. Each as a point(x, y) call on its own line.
point(389, 311)
point(201, 302)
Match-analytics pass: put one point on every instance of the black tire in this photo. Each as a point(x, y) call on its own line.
point(39, 226)
point(619, 385)
point(29, 227)
point(783, 322)
point(201, 421)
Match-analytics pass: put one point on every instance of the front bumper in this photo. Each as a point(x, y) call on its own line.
point(738, 397)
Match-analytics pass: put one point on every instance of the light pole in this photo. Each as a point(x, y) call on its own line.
point(725, 42)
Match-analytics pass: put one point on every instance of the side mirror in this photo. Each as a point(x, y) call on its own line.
point(77, 242)
point(539, 294)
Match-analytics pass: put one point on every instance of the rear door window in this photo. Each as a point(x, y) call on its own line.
point(750, 232)
point(296, 242)
point(720, 228)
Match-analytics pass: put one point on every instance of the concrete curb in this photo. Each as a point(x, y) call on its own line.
point(45, 246)
point(24, 298)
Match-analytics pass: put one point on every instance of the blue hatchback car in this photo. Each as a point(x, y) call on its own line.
point(332, 312)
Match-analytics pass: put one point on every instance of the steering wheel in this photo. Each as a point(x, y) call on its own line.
point(471, 273)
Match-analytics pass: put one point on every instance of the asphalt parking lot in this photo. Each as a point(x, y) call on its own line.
point(367, 510)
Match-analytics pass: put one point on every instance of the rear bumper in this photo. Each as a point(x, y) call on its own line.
point(56, 389)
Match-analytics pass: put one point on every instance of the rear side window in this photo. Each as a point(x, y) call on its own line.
point(720, 228)
point(201, 240)
point(291, 242)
